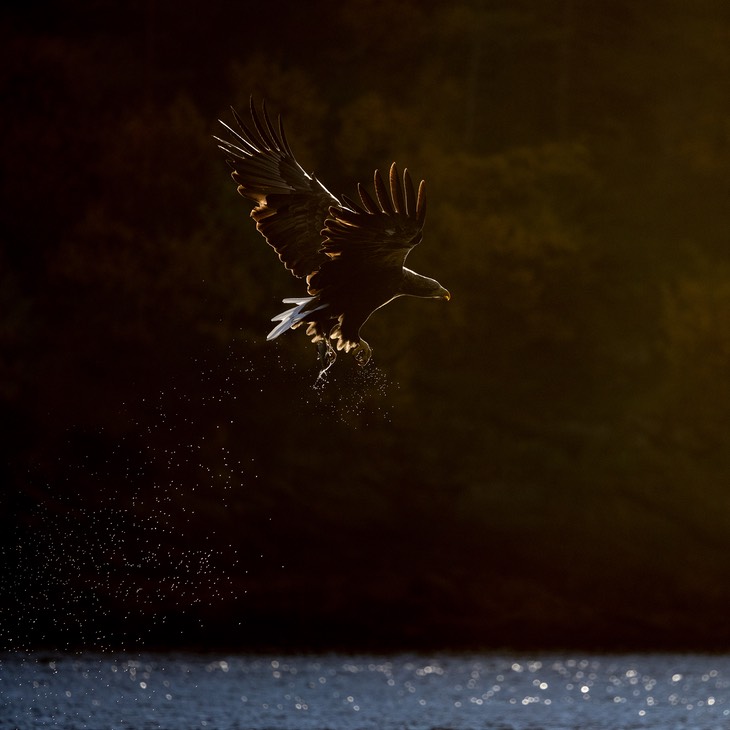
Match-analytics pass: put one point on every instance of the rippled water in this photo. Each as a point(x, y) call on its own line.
point(547, 692)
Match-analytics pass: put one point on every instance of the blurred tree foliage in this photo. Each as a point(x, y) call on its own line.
point(544, 460)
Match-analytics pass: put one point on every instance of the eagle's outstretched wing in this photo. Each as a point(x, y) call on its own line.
point(375, 235)
point(292, 205)
point(366, 245)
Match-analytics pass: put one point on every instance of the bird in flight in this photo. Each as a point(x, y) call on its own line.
point(351, 254)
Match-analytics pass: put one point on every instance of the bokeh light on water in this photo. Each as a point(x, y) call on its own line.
point(544, 692)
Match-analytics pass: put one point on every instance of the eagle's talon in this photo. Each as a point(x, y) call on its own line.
point(326, 355)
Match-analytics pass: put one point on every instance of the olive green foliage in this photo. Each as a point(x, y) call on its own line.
point(543, 460)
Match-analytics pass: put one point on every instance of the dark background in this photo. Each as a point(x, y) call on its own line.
point(542, 462)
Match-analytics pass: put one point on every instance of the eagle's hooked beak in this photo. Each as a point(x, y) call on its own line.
point(445, 294)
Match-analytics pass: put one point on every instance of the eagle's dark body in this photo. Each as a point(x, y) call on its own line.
point(352, 255)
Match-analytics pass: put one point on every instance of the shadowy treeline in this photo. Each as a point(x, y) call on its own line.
point(541, 462)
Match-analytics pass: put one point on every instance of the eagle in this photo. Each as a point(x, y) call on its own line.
point(351, 254)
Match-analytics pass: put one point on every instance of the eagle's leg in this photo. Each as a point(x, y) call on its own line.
point(362, 352)
point(325, 354)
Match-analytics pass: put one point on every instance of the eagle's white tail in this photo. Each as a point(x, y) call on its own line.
point(293, 316)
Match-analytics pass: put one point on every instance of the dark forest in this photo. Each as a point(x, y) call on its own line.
point(541, 462)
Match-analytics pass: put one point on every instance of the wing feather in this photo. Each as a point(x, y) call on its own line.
point(379, 234)
point(382, 194)
point(291, 204)
point(397, 191)
point(421, 204)
point(370, 205)
point(352, 205)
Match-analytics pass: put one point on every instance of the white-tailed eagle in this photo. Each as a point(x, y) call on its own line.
point(351, 254)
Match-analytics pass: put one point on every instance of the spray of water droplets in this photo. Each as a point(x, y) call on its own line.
point(130, 533)
point(355, 395)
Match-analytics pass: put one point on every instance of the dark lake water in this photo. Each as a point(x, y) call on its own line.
point(339, 692)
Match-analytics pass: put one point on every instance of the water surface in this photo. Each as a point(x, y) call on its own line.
point(338, 692)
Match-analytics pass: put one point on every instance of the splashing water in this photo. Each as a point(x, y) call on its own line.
point(355, 395)
point(327, 355)
point(128, 530)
